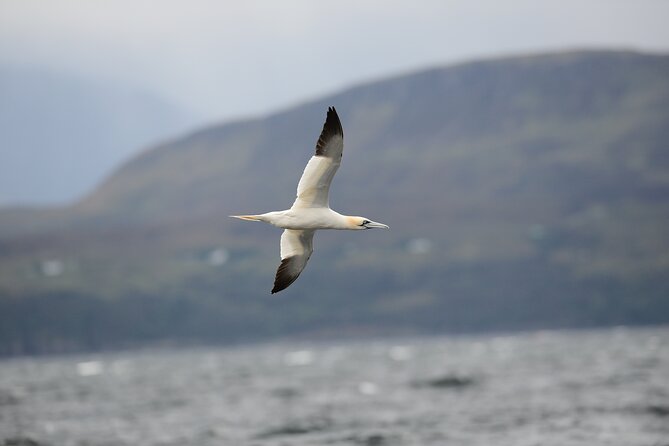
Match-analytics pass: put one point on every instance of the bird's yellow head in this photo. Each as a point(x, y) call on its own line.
point(364, 223)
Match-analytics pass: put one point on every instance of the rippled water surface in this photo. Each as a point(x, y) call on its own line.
point(608, 387)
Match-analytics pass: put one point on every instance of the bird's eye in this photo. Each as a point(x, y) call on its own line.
point(364, 222)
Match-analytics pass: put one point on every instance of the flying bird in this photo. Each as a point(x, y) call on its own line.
point(311, 209)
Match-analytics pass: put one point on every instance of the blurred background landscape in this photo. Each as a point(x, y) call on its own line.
point(526, 184)
point(518, 150)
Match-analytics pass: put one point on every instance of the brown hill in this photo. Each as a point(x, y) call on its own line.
point(521, 192)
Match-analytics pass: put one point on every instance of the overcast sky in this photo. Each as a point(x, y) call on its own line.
point(230, 59)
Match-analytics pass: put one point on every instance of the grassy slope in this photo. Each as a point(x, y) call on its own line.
point(540, 184)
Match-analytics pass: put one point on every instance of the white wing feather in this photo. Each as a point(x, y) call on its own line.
point(297, 243)
point(314, 187)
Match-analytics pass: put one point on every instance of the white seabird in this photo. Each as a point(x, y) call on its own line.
point(311, 209)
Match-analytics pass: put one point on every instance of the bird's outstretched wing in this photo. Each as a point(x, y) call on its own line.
point(296, 248)
point(314, 186)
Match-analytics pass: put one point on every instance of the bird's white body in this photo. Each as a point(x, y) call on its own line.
point(311, 209)
point(309, 218)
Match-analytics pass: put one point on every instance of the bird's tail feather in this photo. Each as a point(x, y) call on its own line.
point(248, 217)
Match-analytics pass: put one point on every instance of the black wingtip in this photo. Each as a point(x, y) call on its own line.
point(276, 288)
point(332, 122)
point(284, 278)
point(332, 127)
point(280, 287)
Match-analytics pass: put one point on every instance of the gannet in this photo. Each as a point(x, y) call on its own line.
point(311, 209)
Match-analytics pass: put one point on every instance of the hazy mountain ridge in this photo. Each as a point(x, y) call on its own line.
point(466, 102)
point(521, 192)
point(61, 134)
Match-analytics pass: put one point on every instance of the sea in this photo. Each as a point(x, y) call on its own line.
point(584, 387)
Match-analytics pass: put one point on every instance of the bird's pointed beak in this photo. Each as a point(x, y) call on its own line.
point(373, 224)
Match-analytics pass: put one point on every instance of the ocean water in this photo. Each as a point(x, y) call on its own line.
point(603, 387)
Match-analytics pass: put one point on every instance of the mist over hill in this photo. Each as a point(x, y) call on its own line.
point(61, 134)
point(523, 192)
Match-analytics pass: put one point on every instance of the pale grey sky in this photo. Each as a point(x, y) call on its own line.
point(230, 59)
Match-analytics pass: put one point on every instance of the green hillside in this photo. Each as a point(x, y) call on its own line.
point(523, 192)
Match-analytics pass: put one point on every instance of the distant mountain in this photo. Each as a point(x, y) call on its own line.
point(61, 135)
point(524, 192)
